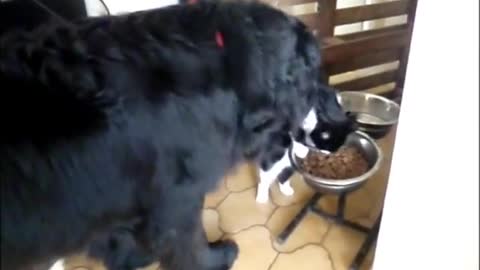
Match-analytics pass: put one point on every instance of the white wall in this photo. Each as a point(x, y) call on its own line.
point(95, 8)
point(431, 208)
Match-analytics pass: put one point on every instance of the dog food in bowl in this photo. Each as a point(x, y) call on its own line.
point(346, 163)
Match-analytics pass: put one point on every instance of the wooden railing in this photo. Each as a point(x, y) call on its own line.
point(353, 51)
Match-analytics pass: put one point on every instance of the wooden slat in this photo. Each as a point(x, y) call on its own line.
point(372, 32)
point(283, 3)
point(316, 22)
point(368, 81)
point(330, 41)
point(363, 61)
point(353, 48)
point(371, 12)
point(327, 9)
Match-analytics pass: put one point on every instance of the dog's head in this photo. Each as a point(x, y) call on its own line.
point(273, 65)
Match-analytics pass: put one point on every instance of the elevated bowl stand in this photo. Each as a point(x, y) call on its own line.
point(338, 218)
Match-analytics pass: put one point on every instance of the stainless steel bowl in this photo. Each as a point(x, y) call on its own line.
point(375, 114)
point(360, 140)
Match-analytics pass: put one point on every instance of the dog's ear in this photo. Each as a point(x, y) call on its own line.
point(329, 109)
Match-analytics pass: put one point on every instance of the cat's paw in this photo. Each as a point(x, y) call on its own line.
point(287, 189)
point(262, 198)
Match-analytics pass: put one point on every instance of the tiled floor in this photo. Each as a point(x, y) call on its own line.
point(231, 212)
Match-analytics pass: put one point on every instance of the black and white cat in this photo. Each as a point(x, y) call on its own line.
point(325, 127)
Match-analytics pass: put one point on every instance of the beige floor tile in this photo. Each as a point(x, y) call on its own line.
point(81, 262)
point(378, 183)
point(358, 204)
point(240, 211)
point(311, 229)
point(281, 217)
point(388, 142)
point(256, 251)
point(310, 257)
point(376, 210)
point(328, 203)
point(211, 224)
point(343, 244)
point(242, 178)
point(155, 266)
point(214, 198)
point(302, 192)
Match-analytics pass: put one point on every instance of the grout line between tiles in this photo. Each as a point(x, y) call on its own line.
point(244, 229)
point(273, 261)
point(240, 191)
point(222, 200)
point(297, 249)
point(219, 227)
point(276, 207)
point(330, 225)
point(332, 263)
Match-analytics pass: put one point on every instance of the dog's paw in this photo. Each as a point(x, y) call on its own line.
point(227, 251)
point(287, 189)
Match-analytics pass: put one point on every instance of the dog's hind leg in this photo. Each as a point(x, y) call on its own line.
point(175, 233)
point(119, 250)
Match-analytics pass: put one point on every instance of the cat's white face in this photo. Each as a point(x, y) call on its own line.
point(310, 121)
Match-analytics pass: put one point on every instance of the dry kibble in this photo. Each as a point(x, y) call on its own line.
point(347, 162)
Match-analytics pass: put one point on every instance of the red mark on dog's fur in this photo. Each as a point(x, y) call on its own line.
point(218, 35)
point(219, 39)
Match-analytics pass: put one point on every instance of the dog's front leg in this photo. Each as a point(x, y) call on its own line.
point(175, 233)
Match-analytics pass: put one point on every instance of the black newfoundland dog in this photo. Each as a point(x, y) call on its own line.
point(128, 121)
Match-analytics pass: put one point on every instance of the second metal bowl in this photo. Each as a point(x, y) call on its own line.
point(375, 115)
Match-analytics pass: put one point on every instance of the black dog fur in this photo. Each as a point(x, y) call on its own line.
point(133, 119)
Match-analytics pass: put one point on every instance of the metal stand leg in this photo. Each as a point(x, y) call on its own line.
point(342, 199)
point(339, 218)
point(282, 237)
point(367, 245)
